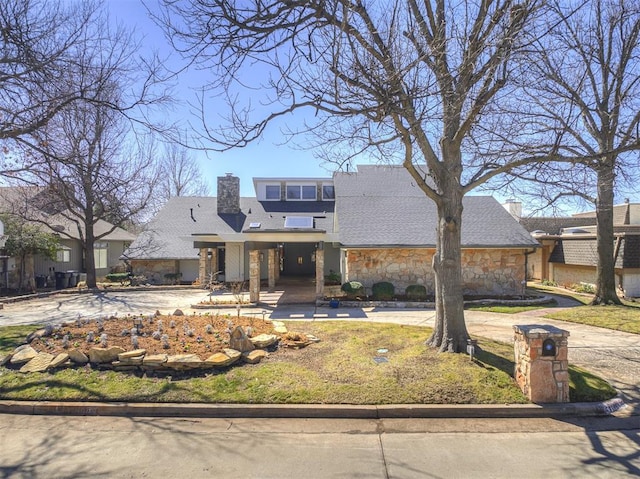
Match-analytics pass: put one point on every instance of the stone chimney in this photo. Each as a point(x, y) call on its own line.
point(228, 194)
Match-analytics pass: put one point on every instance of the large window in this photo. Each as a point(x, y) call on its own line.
point(301, 192)
point(100, 255)
point(272, 192)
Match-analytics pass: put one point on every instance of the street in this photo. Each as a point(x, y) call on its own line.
point(66, 447)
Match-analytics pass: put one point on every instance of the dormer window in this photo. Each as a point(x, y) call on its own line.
point(272, 192)
point(301, 192)
point(328, 193)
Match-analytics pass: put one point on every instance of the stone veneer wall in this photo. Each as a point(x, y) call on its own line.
point(485, 271)
point(154, 270)
point(566, 275)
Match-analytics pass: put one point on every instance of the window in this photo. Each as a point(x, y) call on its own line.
point(63, 255)
point(301, 192)
point(328, 193)
point(272, 192)
point(100, 254)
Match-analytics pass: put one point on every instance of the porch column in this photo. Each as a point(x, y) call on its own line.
point(254, 275)
point(272, 266)
point(202, 266)
point(320, 271)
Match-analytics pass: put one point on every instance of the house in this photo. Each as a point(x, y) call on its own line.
point(569, 255)
point(370, 225)
point(70, 255)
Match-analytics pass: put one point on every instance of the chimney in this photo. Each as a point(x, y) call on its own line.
point(228, 194)
point(514, 208)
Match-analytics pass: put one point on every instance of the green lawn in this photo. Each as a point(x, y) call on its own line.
point(621, 318)
point(339, 370)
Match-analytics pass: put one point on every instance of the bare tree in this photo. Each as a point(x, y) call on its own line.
point(93, 162)
point(585, 80)
point(414, 82)
point(180, 174)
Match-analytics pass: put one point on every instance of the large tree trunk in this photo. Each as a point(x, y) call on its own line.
point(90, 260)
point(605, 270)
point(450, 332)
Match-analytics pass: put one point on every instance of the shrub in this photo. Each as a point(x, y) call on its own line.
point(173, 278)
point(416, 292)
point(584, 288)
point(353, 289)
point(118, 277)
point(332, 278)
point(547, 282)
point(383, 291)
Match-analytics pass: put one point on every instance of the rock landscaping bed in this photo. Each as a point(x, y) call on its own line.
point(160, 343)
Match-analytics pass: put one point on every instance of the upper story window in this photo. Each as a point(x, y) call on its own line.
point(301, 192)
point(328, 193)
point(272, 192)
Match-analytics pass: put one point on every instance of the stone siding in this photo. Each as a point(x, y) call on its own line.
point(154, 270)
point(567, 275)
point(485, 271)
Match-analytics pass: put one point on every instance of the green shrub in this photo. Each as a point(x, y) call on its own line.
point(547, 282)
point(173, 278)
point(584, 288)
point(416, 292)
point(383, 291)
point(353, 289)
point(118, 277)
point(332, 278)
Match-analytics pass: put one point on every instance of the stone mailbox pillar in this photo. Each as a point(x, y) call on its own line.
point(541, 362)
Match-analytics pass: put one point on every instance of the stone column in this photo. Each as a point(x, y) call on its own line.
point(254, 276)
point(541, 363)
point(272, 266)
point(319, 271)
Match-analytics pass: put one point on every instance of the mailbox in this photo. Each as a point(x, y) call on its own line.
point(549, 347)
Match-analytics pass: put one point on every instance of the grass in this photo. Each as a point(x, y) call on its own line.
point(620, 318)
point(338, 370)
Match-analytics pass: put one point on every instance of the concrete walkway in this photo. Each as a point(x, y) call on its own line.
point(613, 355)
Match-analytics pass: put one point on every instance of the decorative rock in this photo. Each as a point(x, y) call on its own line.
point(23, 354)
point(132, 354)
point(232, 353)
point(59, 360)
point(264, 340)
point(279, 327)
point(312, 338)
point(78, 357)
point(178, 312)
point(155, 360)
point(221, 360)
point(38, 364)
point(105, 355)
point(183, 361)
point(130, 361)
point(4, 359)
point(239, 341)
point(254, 356)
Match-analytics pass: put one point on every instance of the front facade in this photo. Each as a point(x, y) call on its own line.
point(568, 254)
point(371, 225)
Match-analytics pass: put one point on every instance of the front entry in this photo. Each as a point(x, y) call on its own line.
point(298, 259)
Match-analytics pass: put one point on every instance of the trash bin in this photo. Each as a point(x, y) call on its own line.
point(41, 281)
point(73, 278)
point(62, 280)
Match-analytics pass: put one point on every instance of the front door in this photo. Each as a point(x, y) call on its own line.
point(299, 259)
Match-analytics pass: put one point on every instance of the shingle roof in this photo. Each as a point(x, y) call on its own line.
point(584, 252)
point(553, 225)
point(169, 236)
point(382, 206)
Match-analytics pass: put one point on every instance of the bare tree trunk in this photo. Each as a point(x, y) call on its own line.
point(605, 270)
point(450, 332)
point(90, 260)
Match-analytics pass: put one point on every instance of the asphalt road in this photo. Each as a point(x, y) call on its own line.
point(77, 447)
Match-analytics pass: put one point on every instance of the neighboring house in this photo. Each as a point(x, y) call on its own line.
point(371, 225)
point(70, 255)
point(568, 253)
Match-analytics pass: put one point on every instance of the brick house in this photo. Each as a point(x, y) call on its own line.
point(370, 225)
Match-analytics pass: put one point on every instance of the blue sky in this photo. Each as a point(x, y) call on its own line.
point(264, 158)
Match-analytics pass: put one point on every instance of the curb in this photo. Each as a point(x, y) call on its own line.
point(313, 411)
